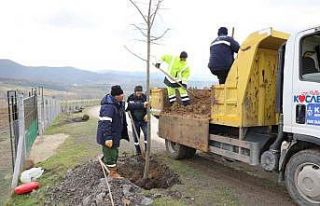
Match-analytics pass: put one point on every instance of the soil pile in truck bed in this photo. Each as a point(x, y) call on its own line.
point(200, 105)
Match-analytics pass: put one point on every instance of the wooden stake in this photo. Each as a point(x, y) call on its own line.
point(104, 169)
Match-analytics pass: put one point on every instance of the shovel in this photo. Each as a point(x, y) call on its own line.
point(135, 132)
point(173, 79)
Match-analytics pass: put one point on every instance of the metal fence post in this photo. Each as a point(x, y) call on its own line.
point(51, 109)
point(46, 113)
point(11, 129)
point(40, 120)
point(21, 152)
point(55, 109)
point(50, 114)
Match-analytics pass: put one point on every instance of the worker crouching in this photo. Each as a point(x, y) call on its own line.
point(112, 127)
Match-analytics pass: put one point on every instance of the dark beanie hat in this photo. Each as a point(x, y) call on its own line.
point(222, 31)
point(183, 54)
point(116, 90)
point(138, 88)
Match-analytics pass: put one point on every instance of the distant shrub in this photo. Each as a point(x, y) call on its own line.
point(85, 117)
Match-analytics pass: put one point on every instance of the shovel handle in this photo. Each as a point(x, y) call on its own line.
point(171, 78)
point(135, 129)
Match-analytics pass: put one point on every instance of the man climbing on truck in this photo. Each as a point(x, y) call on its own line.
point(178, 70)
point(112, 127)
point(222, 50)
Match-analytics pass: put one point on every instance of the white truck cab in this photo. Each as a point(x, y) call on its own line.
point(301, 93)
point(300, 154)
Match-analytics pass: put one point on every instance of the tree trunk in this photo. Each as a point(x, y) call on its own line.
point(147, 163)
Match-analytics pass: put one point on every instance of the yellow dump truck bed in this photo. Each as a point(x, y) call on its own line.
point(247, 99)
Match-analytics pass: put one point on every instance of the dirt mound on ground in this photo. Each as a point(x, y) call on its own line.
point(200, 105)
point(85, 184)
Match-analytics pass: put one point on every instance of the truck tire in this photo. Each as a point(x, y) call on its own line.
point(302, 176)
point(190, 152)
point(175, 150)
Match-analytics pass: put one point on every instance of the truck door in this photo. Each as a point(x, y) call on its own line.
point(305, 100)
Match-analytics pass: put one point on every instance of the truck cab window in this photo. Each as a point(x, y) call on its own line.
point(310, 58)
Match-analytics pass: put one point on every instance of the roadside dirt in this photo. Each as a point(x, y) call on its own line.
point(85, 184)
point(200, 105)
point(94, 112)
point(46, 146)
point(242, 184)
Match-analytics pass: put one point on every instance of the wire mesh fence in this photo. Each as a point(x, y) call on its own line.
point(30, 121)
point(35, 114)
point(24, 116)
point(49, 108)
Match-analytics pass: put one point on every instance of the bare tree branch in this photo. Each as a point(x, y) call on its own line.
point(155, 43)
point(141, 40)
point(154, 14)
point(139, 10)
point(134, 54)
point(149, 19)
point(161, 36)
point(140, 29)
point(145, 41)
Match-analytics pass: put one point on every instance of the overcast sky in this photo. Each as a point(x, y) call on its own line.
point(91, 34)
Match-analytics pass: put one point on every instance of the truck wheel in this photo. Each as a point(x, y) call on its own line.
point(190, 152)
point(175, 150)
point(303, 177)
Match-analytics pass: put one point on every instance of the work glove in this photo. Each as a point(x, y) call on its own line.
point(145, 104)
point(157, 65)
point(108, 143)
point(145, 118)
point(185, 86)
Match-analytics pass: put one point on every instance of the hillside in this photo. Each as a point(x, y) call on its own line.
point(65, 75)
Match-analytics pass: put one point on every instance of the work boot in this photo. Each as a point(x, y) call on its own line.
point(138, 150)
point(186, 103)
point(140, 158)
point(114, 174)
